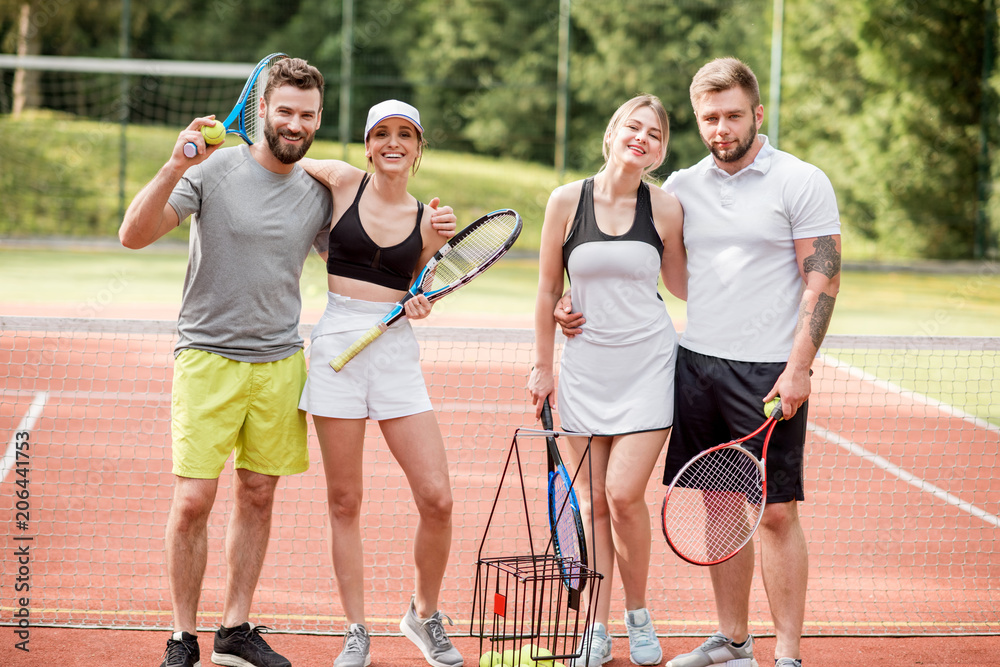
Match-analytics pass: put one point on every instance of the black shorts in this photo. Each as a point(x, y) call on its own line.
point(717, 400)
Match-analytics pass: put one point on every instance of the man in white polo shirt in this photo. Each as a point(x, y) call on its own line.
point(762, 233)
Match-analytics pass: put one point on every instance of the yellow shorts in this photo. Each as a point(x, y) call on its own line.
point(220, 405)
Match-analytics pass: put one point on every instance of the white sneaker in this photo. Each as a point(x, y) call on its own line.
point(596, 647)
point(643, 644)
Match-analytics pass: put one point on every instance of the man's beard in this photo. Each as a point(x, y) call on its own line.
point(736, 153)
point(286, 153)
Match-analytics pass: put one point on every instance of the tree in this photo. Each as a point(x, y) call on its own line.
point(888, 100)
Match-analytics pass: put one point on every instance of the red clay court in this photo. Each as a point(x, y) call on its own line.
point(901, 510)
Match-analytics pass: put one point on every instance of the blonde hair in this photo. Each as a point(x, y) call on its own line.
point(625, 111)
point(722, 74)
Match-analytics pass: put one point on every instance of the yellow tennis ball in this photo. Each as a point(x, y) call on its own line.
point(527, 651)
point(490, 659)
point(509, 657)
point(770, 405)
point(214, 133)
point(542, 654)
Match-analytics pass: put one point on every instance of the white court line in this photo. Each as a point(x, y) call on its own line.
point(916, 397)
point(909, 478)
point(27, 423)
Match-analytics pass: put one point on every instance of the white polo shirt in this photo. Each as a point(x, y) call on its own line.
point(744, 285)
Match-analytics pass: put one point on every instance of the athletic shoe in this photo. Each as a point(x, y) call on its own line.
point(718, 651)
point(788, 662)
point(429, 636)
point(596, 647)
point(643, 644)
point(244, 647)
point(182, 651)
point(357, 648)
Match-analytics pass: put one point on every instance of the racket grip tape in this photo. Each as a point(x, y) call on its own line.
point(357, 346)
point(546, 414)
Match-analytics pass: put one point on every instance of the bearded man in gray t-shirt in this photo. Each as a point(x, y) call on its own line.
point(239, 366)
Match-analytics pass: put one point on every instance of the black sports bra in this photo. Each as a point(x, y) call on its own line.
point(353, 254)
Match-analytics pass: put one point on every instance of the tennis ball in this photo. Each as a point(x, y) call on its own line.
point(490, 659)
point(510, 658)
point(214, 134)
point(770, 405)
point(527, 651)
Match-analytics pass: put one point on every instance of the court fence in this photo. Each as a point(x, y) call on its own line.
point(902, 489)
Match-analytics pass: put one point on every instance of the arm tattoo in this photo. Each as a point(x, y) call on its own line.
point(817, 319)
point(820, 320)
point(825, 260)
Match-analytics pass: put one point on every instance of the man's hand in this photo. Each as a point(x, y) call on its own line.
point(571, 323)
point(192, 135)
point(442, 218)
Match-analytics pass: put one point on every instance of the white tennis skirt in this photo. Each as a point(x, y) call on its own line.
point(618, 389)
point(383, 381)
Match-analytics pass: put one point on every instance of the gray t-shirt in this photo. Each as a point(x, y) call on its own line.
point(250, 235)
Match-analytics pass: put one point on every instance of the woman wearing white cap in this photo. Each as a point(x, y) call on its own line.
point(380, 238)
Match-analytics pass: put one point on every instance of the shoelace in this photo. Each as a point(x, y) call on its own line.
point(645, 635)
point(355, 643)
point(716, 640)
point(177, 650)
point(257, 640)
point(436, 629)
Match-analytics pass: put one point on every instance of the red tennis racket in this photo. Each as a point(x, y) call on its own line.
point(715, 502)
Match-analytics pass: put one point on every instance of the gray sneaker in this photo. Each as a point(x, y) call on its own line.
point(717, 651)
point(788, 662)
point(357, 648)
point(429, 636)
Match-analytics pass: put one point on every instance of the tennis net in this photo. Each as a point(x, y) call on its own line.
point(902, 488)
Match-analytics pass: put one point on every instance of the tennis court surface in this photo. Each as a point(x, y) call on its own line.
point(903, 491)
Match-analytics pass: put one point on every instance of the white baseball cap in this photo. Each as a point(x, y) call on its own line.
point(390, 109)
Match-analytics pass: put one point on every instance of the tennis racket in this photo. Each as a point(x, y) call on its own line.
point(462, 258)
point(715, 502)
point(568, 540)
point(244, 119)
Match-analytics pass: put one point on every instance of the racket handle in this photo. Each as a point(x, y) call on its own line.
point(546, 414)
point(357, 346)
point(190, 149)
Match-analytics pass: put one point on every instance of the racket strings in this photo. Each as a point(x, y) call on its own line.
point(472, 251)
point(253, 124)
point(566, 543)
point(715, 505)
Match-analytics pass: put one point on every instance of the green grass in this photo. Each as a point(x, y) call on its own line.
point(62, 177)
point(870, 302)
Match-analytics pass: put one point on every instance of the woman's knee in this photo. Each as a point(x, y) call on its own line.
point(344, 504)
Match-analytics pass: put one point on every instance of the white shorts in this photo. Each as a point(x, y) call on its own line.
point(383, 382)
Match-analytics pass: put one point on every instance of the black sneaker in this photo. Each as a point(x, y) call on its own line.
point(244, 647)
point(182, 651)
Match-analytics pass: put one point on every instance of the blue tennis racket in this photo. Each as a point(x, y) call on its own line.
point(462, 258)
point(568, 540)
point(244, 120)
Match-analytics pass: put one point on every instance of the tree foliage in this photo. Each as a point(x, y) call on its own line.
point(894, 99)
